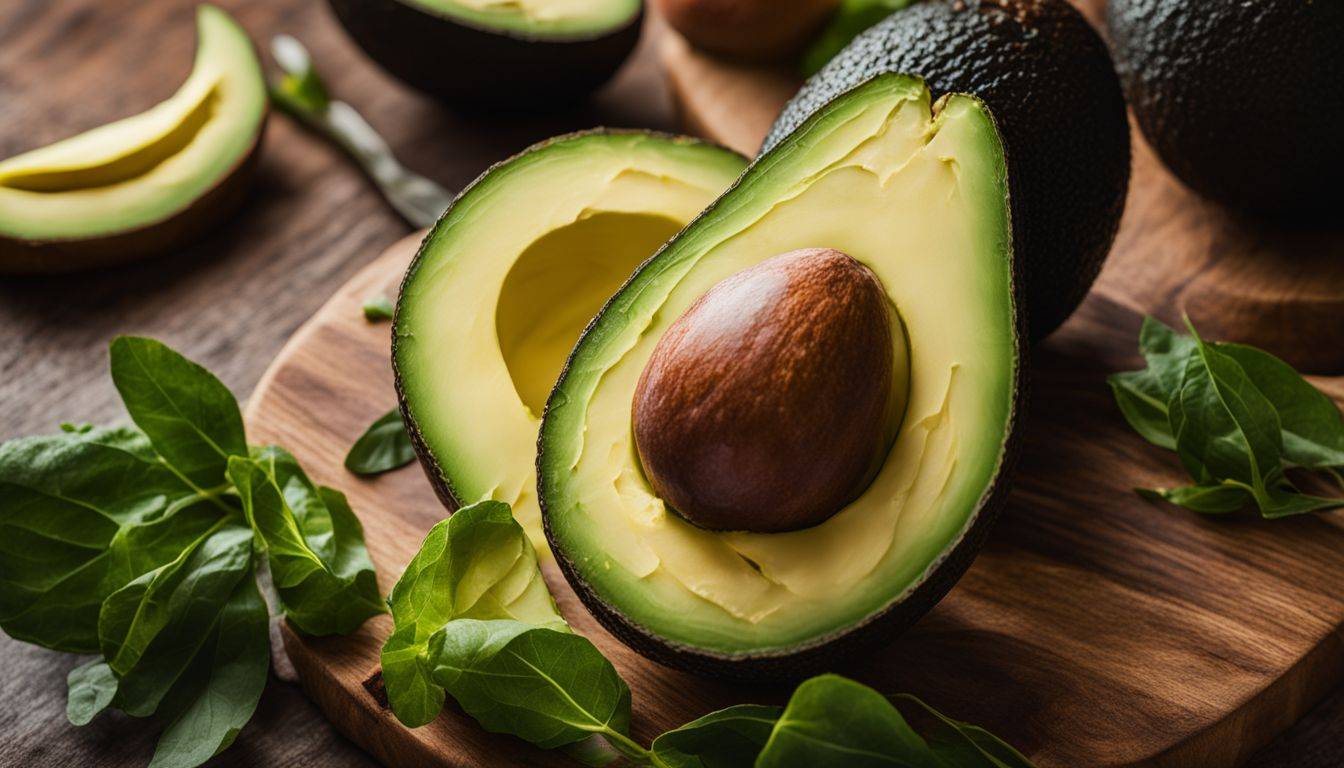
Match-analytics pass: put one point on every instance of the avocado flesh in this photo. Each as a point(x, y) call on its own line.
point(138, 171)
point(921, 199)
point(508, 279)
point(537, 17)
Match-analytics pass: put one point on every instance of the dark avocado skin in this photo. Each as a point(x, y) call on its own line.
point(842, 649)
point(1048, 80)
point(1244, 102)
point(465, 65)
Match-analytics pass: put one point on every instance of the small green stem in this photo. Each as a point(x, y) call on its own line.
point(631, 749)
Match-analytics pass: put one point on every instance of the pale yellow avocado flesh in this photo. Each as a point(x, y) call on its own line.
point(920, 199)
point(511, 275)
point(538, 16)
point(143, 169)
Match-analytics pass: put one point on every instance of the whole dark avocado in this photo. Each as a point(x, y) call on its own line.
point(1243, 101)
point(1047, 77)
point(464, 62)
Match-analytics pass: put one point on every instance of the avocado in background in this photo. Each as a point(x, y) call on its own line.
point(915, 191)
point(509, 277)
point(1048, 79)
point(1244, 102)
point(522, 54)
point(144, 184)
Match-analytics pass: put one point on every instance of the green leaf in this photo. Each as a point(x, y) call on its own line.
point(378, 307)
point(216, 695)
point(849, 21)
point(1313, 428)
point(383, 446)
point(314, 543)
point(547, 687)
point(833, 721)
point(728, 738)
point(1213, 499)
point(152, 629)
point(1143, 395)
point(90, 689)
point(476, 564)
point(961, 745)
point(81, 514)
point(189, 416)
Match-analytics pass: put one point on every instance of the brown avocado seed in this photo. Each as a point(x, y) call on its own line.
point(761, 31)
point(772, 402)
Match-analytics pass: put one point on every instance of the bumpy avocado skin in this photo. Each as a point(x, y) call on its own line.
point(1047, 77)
point(464, 65)
point(1244, 102)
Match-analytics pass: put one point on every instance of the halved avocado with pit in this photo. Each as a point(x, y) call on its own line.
point(147, 183)
point(915, 191)
point(507, 280)
point(520, 54)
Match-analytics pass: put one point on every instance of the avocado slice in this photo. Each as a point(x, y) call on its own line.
point(520, 54)
point(917, 193)
point(509, 277)
point(146, 183)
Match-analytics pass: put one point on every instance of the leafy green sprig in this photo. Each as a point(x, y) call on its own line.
point(383, 447)
point(141, 544)
point(473, 620)
point(1237, 417)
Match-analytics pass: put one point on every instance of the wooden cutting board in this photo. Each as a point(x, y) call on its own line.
point(1094, 629)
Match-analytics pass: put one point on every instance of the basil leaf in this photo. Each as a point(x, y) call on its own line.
point(961, 745)
point(383, 446)
point(1143, 395)
point(728, 738)
point(476, 564)
point(91, 688)
point(547, 687)
point(1215, 499)
point(377, 308)
point(152, 628)
point(314, 543)
point(189, 416)
point(1285, 503)
point(81, 514)
point(850, 20)
point(833, 721)
point(217, 694)
point(1313, 428)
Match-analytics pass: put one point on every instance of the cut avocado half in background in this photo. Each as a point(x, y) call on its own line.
point(505, 283)
point(147, 183)
point(917, 193)
point(521, 54)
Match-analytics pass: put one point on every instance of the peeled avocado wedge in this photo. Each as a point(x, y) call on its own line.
point(521, 54)
point(915, 191)
point(147, 183)
point(509, 277)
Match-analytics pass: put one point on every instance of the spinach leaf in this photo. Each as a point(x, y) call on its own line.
point(377, 308)
point(833, 721)
point(476, 564)
point(1313, 428)
point(728, 738)
point(314, 543)
point(1213, 499)
point(961, 745)
point(81, 514)
point(1143, 395)
point(216, 695)
point(850, 20)
point(189, 416)
point(91, 688)
point(547, 687)
point(152, 628)
point(384, 446)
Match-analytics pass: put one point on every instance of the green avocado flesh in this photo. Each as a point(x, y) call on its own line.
point(144, 169)
point(918, 194)
point(509, 278)
point(555, 17)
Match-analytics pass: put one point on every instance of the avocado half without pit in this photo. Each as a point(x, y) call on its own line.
point(145, 184)
point(517, 54)
point(506, 281)
point(783, 439)
point(771, 402)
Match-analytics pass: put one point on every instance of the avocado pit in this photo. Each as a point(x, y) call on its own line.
point(772, 401)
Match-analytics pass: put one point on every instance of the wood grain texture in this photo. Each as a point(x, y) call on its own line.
point(1095, 629)
point(232, 300)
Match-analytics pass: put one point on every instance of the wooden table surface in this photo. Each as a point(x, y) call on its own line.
point(232, 301)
